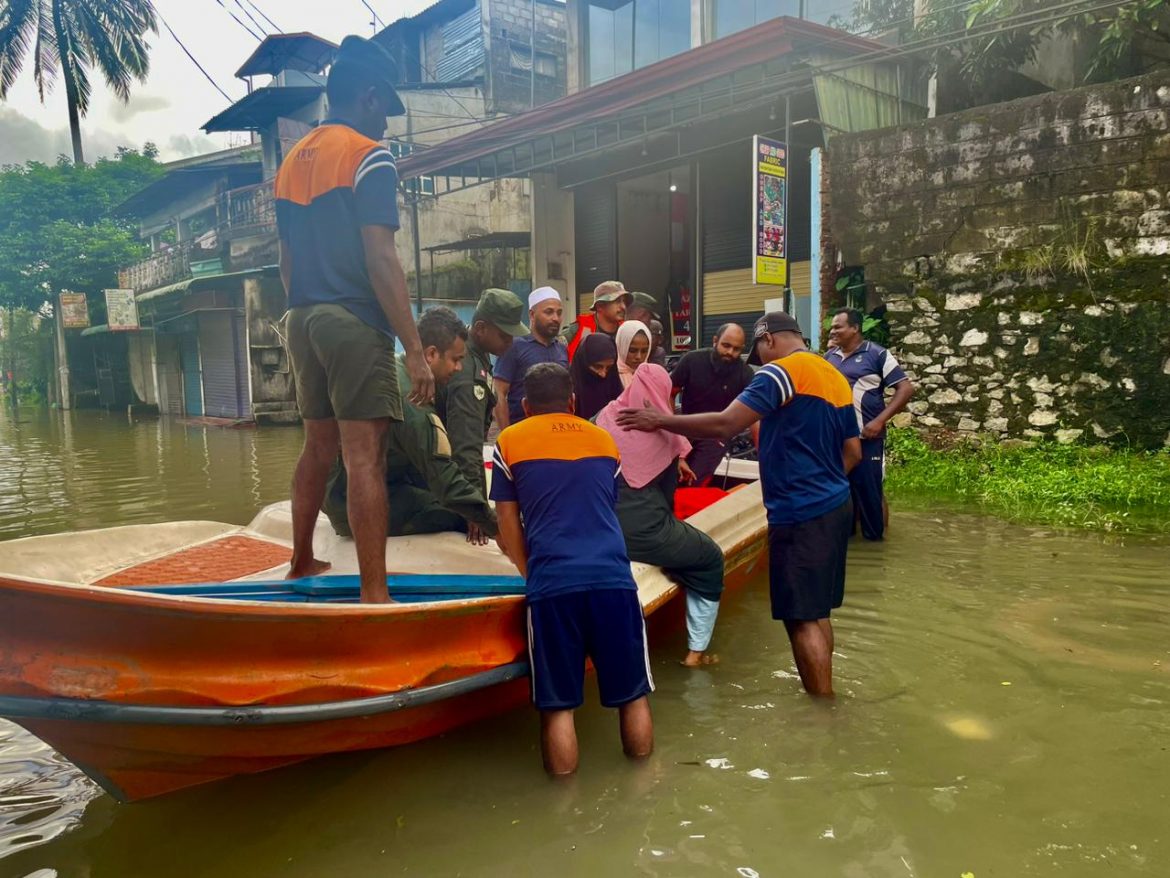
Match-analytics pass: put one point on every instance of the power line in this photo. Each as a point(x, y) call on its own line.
point(276, 27)
point(251, 18)
point(240, 23)
point(377, 21)
point(192, 57)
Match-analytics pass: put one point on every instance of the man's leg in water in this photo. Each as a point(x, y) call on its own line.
point(558, 742)
point(637, 727)
point(813, 652)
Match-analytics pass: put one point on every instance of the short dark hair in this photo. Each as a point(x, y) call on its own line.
point(852, 316)
point(439, 327)
point(547, 387)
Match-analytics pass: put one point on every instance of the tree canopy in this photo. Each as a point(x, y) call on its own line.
point(57, 227)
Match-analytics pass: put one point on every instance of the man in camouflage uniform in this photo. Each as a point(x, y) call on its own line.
point(426, 488)
point(467, 401)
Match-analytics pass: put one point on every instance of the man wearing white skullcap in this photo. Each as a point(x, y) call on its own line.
point(541, 345)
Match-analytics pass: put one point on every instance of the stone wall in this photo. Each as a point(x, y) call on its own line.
point(1023, 253)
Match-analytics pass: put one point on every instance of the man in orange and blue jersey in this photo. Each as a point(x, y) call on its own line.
point(808, 443)
point(336, 214)
point(554, 480)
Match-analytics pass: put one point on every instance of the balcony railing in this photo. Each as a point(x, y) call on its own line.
point(250, 210)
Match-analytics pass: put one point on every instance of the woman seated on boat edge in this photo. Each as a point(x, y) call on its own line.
point(651, 472)
point(594, 372)
point(633, 348)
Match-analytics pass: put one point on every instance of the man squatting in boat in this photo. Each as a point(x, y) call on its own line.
point(430, 489)
point(808, 443)
point(554, 482)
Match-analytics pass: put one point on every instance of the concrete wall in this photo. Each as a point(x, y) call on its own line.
point(1023, 251)
point(273, 394)
point(553, 247)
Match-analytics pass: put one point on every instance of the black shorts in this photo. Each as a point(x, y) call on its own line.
point(605, 625)
point(807, 565)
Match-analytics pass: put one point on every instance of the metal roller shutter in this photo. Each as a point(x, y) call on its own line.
point(224, 383)
point(192, 374)
point(726, 181)
point(595, 218)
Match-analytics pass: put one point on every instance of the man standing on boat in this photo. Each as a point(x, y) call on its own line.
point(808, 444)
point(466, 403)
point(430, 493)
point(336, 213)
point(554, 480)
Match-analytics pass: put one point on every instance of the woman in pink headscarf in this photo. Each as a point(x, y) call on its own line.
point(652, 464)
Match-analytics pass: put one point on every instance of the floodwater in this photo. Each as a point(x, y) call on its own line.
point(1003, 710)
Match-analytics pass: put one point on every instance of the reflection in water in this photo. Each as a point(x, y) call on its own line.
point(928, 764)
point(77, 470)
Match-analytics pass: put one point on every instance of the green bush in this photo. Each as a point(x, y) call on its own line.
point(1043, 483)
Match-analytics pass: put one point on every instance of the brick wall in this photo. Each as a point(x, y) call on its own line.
point(1023, 251)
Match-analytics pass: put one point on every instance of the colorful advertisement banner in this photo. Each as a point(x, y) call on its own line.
point(770, 244)
point(681, 312)
point(121, 310)
point(74, 311)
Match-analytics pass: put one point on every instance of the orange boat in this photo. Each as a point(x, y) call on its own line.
point(152, 689)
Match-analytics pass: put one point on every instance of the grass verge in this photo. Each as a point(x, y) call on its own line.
point(1097, 487)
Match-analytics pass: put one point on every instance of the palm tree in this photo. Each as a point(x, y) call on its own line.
point(76, 36)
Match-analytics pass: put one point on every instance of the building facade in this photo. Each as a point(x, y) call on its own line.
point(644, 172)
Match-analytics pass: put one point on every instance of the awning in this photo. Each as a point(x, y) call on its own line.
point(263, 107)
point(209, 282)
point(278, 52)
point(484, 242)
point(868, 96)
point(742, 74)
point(102, 329)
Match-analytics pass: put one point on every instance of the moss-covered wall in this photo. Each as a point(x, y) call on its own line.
point(1023, 251)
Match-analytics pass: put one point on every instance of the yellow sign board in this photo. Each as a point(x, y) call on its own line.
point(770, 229)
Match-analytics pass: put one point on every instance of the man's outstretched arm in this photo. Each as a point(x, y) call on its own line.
point(723, 425)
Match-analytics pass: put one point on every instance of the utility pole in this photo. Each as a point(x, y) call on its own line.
point(66, 392)
point(532, 56)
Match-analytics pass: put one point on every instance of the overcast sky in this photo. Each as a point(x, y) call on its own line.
point(176, 99)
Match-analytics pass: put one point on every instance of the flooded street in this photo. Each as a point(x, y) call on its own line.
point(1003, 710)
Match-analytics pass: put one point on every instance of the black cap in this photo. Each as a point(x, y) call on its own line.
point(371, 59)
point(773, 321)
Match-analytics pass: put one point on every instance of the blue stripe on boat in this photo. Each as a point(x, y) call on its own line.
point(404, 587)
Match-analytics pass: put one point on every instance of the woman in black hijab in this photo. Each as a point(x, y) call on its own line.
point(595, 377)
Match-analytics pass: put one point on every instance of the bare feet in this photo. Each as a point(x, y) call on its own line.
point(698, 659)
point(312, 567)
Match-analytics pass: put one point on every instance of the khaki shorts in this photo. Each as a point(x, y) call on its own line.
point(343, 368)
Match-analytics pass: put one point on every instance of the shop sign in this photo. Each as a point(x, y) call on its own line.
point(681, 311)
point(770, 244)
point(74, 311)
point(121, 310)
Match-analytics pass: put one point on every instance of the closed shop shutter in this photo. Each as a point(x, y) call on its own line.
point(170, 374)
point(192, 374)
point(726, 181)
point(220, 341)
point(595, 218)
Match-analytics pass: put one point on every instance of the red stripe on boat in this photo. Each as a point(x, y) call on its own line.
point(221, 560)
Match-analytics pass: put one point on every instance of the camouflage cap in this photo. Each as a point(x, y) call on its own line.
point(503, 309)
point(610, 291)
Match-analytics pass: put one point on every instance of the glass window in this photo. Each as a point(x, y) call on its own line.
point(625, 36)
point(732, 16)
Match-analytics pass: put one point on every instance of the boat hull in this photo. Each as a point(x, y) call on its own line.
point(74, 647)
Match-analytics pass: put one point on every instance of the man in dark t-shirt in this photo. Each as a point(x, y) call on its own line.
point(709, 380)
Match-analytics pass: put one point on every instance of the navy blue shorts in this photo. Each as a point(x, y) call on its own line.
point(865, 484)
point(605, 625)
point(807, 565)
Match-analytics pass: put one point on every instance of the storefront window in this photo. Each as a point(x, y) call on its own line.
point(625, 36)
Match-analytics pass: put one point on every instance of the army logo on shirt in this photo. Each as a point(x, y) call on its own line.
point(480, 392)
